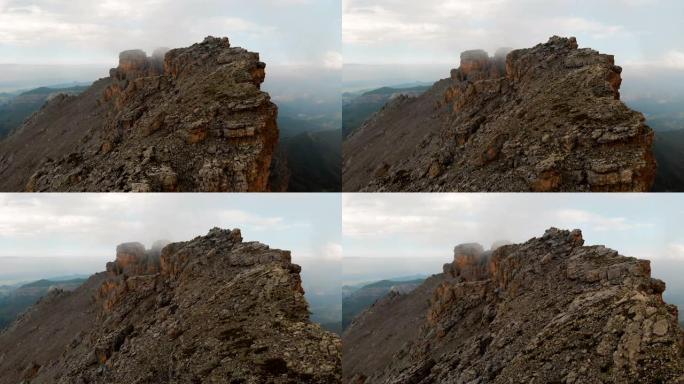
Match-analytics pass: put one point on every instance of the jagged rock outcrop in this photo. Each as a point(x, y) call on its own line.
point(550, 310)
point(547, 118)
point(190, 119)
point(213, 310)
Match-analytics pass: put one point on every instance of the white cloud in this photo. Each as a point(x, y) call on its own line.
point(578, 25)
point(377, 24)
point(423, 225)
point(674, 59)
point(85, 31)
point(292, 2)
point(333, 60)
point(127, 10)
point(332, 251)
point(48, 235)
point(406, 21)
point(675, 251)
point(22, 223)
point(580, 218)
point(429, 31)
point(104, 220)
point(32, 24)
point(469, 8)
point(259, 223)
point(369, 216)
point(460, 21)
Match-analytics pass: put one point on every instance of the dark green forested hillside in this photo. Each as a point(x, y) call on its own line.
point(315, 161)
point(669, 152)
point(357, 108)
point(14, 110)
point(15, 301)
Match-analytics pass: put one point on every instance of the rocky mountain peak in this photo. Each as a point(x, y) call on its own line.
point(563, 53)
point(558, 42)
point(477, 65)
point(207, 309)
point(470, 262)
point(132, 259)
point(185, 119)
point(547, 118)
point(547, 310)
point(135, 63)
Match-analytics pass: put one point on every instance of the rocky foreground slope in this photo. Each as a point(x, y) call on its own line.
point(190, 119)
point(547, 118)
point(550, 310)
point(211, 310)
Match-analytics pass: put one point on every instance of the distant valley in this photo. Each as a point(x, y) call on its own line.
point(666, 117)
point(314, 160)
point(15, 299)
point(18, 106)
point(358, 106)
point(359, 298)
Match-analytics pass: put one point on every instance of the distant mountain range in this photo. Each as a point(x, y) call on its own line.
point(357, 107)
point(15, 108)
point(15, 299)
point(661, 115)
point(362, 298)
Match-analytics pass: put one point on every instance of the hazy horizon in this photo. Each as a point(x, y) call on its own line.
point(408, 32)
point(85, 32)
point(402, 233)
point(637, 81)
point(391, 42)
point(47, 43)
point(65, 234)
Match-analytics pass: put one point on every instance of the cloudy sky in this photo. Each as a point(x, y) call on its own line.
point(58, 234)
point(429, 225)
point(46, 42)
point(428, 31)
point(86, 32)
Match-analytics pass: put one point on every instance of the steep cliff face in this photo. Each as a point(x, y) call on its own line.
point(190, 119)
point(213, 310)
point(550, 310)
point(547, 118)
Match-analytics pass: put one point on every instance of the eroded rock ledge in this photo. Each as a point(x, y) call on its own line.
point(190, 119)
point(547, 118)
point(548, 310)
